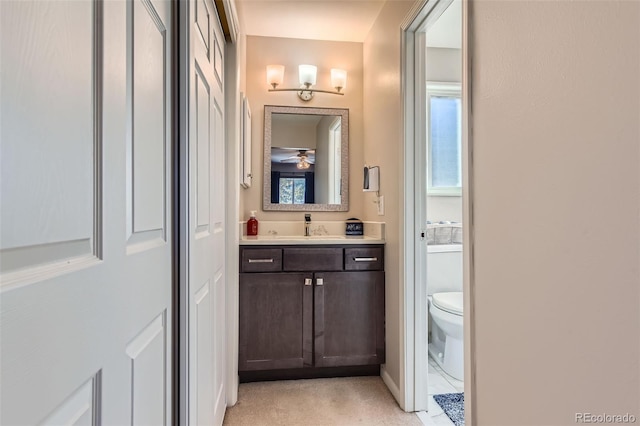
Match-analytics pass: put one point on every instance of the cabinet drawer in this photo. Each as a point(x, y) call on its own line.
point(312, 259)
point(261, 260)
point(363, 259)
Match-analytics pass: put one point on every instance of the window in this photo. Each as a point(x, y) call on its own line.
point(444, 139)
point(292, 190)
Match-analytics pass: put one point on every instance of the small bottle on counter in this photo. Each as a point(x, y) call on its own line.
point(252, 224)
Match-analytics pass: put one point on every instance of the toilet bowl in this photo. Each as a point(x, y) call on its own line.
point(447, 336)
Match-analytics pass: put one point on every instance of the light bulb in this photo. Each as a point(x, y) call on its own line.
point(338, 78)
point(307, 74)
point(302, 165)
point(275, 75)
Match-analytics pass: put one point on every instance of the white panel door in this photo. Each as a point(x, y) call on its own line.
point(206, 280)
point(85, 196)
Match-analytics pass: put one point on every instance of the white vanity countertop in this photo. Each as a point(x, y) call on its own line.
point(312, 240)
point(326, 232)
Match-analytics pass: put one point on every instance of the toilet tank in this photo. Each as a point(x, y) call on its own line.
point(444, 268)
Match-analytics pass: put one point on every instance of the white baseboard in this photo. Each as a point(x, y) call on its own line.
point(393, 387)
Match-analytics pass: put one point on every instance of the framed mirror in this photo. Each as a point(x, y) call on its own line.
point(306, 159)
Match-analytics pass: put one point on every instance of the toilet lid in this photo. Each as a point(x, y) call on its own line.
point(450, 302)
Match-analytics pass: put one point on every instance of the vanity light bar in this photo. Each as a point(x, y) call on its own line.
point(307, 76)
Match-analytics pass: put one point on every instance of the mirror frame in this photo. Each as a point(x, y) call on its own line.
point(267, 205)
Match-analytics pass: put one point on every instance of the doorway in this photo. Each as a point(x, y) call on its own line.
point(420, 189)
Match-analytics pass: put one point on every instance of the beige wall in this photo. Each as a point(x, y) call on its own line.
point(556, 104)
point(263, 51)
point(383, 147)
point(291, 134)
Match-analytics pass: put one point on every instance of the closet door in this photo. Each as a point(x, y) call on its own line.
point(206, 214)
point(85, 196)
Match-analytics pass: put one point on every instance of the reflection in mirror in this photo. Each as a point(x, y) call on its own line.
point(306, 159)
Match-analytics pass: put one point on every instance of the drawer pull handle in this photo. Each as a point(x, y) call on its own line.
point(365, 259)
point(260, 260)
point(319, 281)
point(308, 281)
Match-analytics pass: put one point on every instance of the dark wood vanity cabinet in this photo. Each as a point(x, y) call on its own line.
point(311, 307)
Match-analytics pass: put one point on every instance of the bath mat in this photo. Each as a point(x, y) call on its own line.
point(453, 406)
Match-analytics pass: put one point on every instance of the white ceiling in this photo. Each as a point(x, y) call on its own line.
point(335, 20)
point(279, 155)
point(447, 30)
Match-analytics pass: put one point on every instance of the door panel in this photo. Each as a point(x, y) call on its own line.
point(275, 321)
point(79, 409)
point(147, 133)
point(85, 237)
point(149, 47)
point(219, 348)
point(148, 366)
point(203, 153)
point(349, 318)
point(50, 225)
point(204, 356)
point(207, 398)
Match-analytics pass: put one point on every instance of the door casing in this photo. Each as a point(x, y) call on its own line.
point(415, 397)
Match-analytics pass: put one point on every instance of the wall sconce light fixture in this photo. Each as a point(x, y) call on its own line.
point(307, 77)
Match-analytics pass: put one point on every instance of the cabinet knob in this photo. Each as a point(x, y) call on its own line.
point(319, 281)
point(308, 281)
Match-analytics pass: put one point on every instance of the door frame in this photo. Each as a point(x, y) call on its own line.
point(413, 70)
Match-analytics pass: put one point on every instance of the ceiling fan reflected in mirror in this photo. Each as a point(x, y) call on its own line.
point(303, 159)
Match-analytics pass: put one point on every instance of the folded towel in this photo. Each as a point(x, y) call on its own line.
point(444, 232)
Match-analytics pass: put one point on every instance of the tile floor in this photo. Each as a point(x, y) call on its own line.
point(439, 382)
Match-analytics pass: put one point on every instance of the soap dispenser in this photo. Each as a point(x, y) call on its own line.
point(252, 224)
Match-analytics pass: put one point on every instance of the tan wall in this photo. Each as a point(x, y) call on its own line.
point(556, 104)
point(241, 59)
point(263, 51)
point(294, 135)
point(383, 147)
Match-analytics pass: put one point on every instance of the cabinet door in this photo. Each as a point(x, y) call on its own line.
point(349, 318)
point(275, 321)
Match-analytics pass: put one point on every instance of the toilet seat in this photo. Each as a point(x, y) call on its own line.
point(451, 302)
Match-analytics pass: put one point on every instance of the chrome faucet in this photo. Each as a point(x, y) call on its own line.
point(307, 224)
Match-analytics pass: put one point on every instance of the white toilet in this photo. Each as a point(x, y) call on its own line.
point(444, 286)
